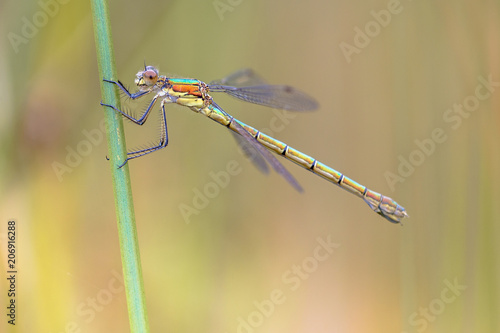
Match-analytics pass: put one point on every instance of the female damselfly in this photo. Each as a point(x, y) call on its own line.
point(247, 86)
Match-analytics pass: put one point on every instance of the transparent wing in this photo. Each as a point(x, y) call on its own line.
point(251, 153)
point(266, 154)
point(278, 97)
point(241, 78)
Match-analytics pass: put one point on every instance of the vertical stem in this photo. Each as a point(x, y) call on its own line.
point(129, 246)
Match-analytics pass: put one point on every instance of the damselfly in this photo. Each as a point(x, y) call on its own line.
point(248, 87)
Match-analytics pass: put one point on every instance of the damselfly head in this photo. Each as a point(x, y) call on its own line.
point(147, 77)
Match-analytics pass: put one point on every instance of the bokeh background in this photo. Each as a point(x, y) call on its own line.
point(217, 273)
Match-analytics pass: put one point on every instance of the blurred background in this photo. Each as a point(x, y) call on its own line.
point(409, 93)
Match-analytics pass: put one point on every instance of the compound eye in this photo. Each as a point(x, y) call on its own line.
point(150, 77)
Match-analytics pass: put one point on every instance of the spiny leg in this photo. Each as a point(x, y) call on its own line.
point(161, 144)
point(163, 135)
point(125, 90)
point(144, 116)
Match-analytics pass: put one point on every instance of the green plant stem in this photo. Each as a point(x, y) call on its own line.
point(129, 246)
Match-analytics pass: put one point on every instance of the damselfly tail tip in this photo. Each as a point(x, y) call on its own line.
point(389, 209)
point(396, 216)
